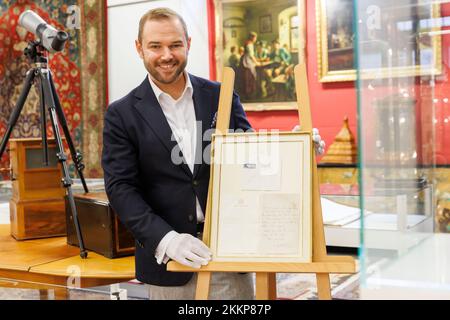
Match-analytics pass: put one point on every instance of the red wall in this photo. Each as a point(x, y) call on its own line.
point(330, 103)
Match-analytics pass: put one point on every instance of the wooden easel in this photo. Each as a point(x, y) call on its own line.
point(322, 264)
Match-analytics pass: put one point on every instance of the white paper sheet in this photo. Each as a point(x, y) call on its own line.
point(338, 214)
point(237, 219)
point(260, 177)
point(263, 171)
point(273, 226)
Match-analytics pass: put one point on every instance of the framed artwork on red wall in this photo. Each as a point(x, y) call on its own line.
point(261, 41)
point(416, 52)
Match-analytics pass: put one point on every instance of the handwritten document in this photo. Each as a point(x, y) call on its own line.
point(279, 224)
point(271, 229)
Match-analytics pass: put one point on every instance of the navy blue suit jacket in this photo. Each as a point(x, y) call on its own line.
point(151, 194)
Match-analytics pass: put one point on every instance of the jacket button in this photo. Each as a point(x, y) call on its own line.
point(195, 183)
point(191, 217)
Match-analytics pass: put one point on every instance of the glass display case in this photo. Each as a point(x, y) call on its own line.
point(403, 91)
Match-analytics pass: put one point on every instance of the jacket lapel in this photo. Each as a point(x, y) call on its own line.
point(203, 115)
point(150, 109)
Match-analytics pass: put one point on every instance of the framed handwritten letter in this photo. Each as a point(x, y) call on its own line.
point(261, 197)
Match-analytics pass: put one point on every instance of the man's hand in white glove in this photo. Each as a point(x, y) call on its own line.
point(188, 250)
point(319, 144)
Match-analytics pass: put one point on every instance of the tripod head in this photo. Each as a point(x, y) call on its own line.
point(35, 52)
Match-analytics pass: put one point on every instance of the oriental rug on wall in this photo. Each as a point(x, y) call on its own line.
point(79, 73)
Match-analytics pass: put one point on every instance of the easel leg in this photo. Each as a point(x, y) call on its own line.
point(43, 294)
point(61, 294)
point(203, 282)
point(323, 286)
point(272, 286)
point(263, 285)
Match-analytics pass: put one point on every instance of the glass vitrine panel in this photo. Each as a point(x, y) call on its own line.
point(402, 65)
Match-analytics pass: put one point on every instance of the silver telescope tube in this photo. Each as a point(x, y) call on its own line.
point(51, 39)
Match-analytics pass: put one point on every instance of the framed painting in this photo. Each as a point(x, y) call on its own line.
point(393, 42)
point(261, 41)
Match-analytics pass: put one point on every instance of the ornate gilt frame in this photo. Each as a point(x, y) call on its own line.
point(263, 106)
point(325, 75)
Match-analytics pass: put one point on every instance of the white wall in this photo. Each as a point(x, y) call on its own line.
point(125, 68)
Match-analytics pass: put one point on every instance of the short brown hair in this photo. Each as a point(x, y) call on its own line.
point(160, 14)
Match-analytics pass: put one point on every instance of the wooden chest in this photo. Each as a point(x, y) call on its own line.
point(101, 229)
point(37, 202)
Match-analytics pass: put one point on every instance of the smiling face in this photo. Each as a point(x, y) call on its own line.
point(164, 50)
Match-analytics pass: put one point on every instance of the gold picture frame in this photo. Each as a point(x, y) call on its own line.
point(336, 64)
point(235, 19)
point(261, 207)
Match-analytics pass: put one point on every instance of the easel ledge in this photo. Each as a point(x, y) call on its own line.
point(347, 265)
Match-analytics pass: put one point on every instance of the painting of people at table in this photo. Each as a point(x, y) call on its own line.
point(263, 57)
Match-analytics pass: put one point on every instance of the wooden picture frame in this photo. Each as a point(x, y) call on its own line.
point(261, 197)
point(269, 85)
point(336, 36)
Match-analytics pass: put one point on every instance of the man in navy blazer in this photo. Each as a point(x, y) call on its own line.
point(153, 194)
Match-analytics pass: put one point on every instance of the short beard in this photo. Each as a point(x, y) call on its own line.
point(155, 75)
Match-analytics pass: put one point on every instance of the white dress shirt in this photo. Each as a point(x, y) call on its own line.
point(180, 115)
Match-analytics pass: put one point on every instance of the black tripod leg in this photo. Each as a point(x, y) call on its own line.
point(67, 181)
point(76, 156)
point(43, 126)
point(17, 109)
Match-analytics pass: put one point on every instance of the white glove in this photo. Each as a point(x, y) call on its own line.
point(188, 250)
point(319, 144)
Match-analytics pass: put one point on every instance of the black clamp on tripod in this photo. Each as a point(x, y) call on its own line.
point(41, 76)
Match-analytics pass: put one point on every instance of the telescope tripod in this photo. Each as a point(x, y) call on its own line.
point(41, 76)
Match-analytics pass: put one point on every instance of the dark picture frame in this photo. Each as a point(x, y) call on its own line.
point(265, 24)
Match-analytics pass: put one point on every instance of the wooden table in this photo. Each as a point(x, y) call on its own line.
point(52, 264)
